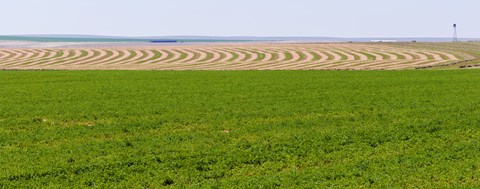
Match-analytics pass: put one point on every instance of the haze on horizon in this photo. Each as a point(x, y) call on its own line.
point(314, 18)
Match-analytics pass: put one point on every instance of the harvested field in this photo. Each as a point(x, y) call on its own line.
point(324, 56)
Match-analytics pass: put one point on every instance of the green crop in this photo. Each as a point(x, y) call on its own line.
point(240, 129)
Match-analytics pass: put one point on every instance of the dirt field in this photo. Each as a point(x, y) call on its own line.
point(273, 56)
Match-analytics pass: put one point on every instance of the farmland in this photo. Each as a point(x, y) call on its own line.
point(242, 56)
point(245, 129)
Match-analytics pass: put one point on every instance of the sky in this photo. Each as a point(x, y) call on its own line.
point(307, 18)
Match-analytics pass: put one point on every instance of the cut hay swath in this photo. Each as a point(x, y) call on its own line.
point(328, 56)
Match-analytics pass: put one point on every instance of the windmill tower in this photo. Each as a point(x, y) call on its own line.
point(455, 38)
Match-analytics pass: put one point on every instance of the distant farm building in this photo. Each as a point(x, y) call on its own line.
point(384, 41)
point(163, 41)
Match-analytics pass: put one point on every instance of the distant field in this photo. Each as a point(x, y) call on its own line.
point(277, 56)
point(241, 129)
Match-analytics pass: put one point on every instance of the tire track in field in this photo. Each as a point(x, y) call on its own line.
point(140, 55)
point(23, 56)
point(4, 54)
point(123, 55)
point(212, 56)
point(223, 61)
point(233, 58)
point(90, 53)
point(244, 64)
point(32, 55)
point(256, 59)
point(68, 54)
point(332, 63)
point(364, 61)
point(60, 54)
point(374, 64)
point(47, 55)
point(422, 59)
point(319, 58)
point(298, 60)
point(189, 57)
point(98, 56)
point(111, 55)
point(80, 55)
point(232, 62)
point(159, 55)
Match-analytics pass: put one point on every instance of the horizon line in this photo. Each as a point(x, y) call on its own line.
point(219, 36)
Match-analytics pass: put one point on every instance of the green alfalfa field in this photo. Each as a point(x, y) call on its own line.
point(240, 129)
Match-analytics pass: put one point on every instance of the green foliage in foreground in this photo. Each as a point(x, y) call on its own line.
point(240, 129)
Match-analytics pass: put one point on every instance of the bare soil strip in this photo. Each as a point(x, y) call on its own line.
point(114, 55)
point(48, 55)
point(189, 55)
point(18, 55)
point(37, 56)
point(58, 56)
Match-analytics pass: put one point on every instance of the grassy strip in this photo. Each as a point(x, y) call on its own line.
point(316, 56)
point(109, 54)
point(223, 54)
point(415, 56)
point(209, 56)
point(182, 56)
point(103, 59)
point(235, 55)
point(10, 54)
point(144, 55)
point(429, 56)
point(443, 56)
point(302, 55)
point(329, 55)
point(83, 53)
point(156, 56)
point(247, 55)
point(170, 55)
point(96, 54)
point(39, 59)
point(24, 55)
point(399, 56)
point(131, 56)
point(70, 55)
point(384, 56)
point(260, 55)
point(368, 55)
point(116, 60)
point(342, 55)
point(288, 56)
point(196, 55)
point(275, 56)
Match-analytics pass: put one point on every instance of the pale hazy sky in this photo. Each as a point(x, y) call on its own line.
point(332, 18)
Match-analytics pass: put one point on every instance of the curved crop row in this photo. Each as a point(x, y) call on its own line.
point(240, 57)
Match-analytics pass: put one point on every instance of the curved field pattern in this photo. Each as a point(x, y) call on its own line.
point(323, 56)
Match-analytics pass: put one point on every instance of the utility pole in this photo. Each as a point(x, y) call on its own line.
point(455, 38)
